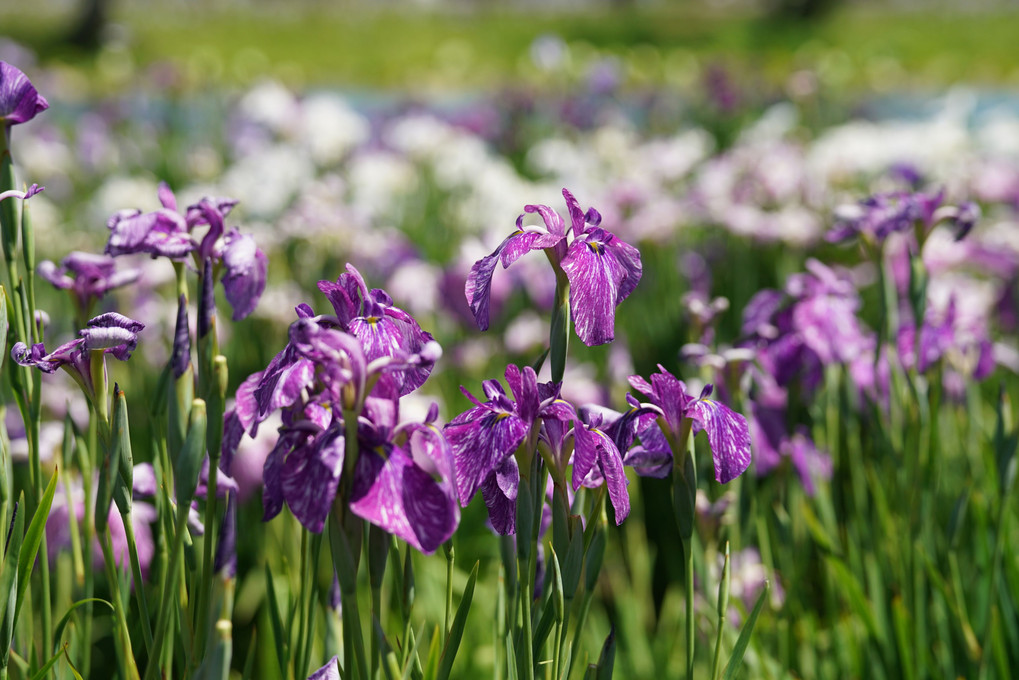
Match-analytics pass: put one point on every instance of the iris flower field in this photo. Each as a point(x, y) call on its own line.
point(432, 340)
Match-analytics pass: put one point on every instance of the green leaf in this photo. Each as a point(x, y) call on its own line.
point(74, 671)
point(543, 628)
point(434, 651)
point(9, 576)
point(33, 539)
point(41, 673)
point(277, 622)
point(854, 592)
point(736, 659)
point(608, 656)
point(65, 619)
point(456, 631)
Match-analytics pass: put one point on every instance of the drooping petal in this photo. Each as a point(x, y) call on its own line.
point(310, 476)
point(602, 271)
point(500, 494)
point(728, 435)
point(395, 494)
point(480, 446)
point(596, 460)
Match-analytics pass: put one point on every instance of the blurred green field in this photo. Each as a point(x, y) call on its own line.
point(861, 48)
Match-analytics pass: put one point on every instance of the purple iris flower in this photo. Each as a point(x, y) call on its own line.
point(727, 430)
point(404, 480)
point(87, 277)
point(169, 233)
point(485, 437)
point(812, 324)
point(403, 477)
point(943, 336)
point(602, 269)
point(19, 100)
point(383, 329)
point(110, 333)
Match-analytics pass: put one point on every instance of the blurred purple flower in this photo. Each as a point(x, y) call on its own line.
point(169, 233)
point(19, 100)
point(878, 216)
point(58, 528)
point(602, 269)
point(87, 277)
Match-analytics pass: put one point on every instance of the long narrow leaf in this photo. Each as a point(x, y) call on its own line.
point(33, 539)
point(736, 659)
point(59, 630)
point(456, 631)
point(41, 673)
point(9, 575)
point(277, 622)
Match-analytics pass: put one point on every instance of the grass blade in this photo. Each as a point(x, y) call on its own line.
point(736, 659)
point(456, 631)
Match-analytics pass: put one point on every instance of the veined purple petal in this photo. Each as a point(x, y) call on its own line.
point(480, 446)
point(344, 297)
point(310, 476)
point(728, 435)
point(520, 243)
point(395, 494)
point(596, 460)
point(19, 100)
point(500, 494)
point(596, 275)
point(478, 288)
point(524, 386)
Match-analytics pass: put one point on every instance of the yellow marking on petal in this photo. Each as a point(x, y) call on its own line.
point(595, 247)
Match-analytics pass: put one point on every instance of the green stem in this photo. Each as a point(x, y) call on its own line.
point(203, 612)
point(139, 582)
point(585, 607)
point(170, 586)
point(449, 593)
point(121, 637)
point(688, 581)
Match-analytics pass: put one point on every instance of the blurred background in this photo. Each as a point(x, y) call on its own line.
point(406, 136)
